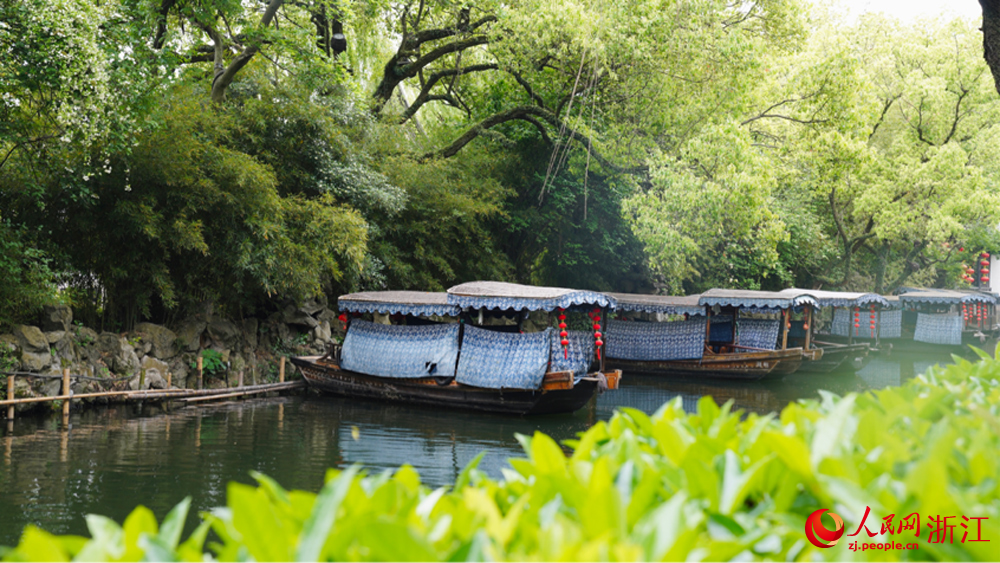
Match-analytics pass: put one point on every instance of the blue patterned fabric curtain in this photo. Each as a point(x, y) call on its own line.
point(503, 359)
point(400, 351)
point(939, 329)
point(722, 329)
point(678, 340)
point(581, 352)
point(890, 324)
point(758, 333)
point(842, 322)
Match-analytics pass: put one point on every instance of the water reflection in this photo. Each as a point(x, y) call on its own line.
point(108, 460)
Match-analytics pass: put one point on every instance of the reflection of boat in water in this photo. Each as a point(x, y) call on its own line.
point(461, 365)
point(730, 334)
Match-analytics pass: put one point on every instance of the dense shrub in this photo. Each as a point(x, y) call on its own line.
point(713, 485)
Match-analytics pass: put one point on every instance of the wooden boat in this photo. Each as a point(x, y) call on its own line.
point(847, 357)
point(696, 346)
point(435, 355)
point(750, 364)
point(559, 393)
point(949, 319)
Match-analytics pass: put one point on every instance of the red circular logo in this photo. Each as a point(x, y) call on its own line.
point(817, 532)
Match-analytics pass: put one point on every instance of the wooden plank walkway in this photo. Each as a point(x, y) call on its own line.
point(159, 395)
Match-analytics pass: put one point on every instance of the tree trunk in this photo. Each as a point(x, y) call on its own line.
point(991, 37)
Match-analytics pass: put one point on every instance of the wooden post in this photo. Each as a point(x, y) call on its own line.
point(10, 397)
point(281, 370)
point(201, 372)
point(169, 378)
point(786, 317)
point(850, 326)
point(809, 322)
point(240, 379)
point(65, 392)
point(142, 379)
point(708, 326)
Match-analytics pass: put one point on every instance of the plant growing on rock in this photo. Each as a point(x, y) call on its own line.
point(211, 362)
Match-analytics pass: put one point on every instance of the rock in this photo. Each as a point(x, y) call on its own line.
point(117, 353)
point(127, 362)
point(180, 373)
point(189, 335)
point(293, 316)
point(57, 317)
point(85, 337)
point(62, 342)
point(322, 333)
point(109, 344)
point(250, 327)
point(162, 339)
point(31, 339)
point(156, 374)
point(313, 306)
point(35, 361)
point(223, 332)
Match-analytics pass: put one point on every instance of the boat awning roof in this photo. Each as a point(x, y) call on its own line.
point(756, 299)
point(945, 297)
point(826, 298)
point(503, 296)
point(398, 302)
point(670, 304)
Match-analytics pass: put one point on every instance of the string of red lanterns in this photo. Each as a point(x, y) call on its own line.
point(873, 321)
point(563, 335)
point(857, 320)
point(595, 316)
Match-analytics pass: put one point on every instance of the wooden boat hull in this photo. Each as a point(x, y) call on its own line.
point(564, 397)
point(742, 365)
point(836, 356)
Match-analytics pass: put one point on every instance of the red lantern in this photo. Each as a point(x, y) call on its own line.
point(985, 254)
point(961, 249)
point(984, 262)
point(563, 334)
point(984, 279)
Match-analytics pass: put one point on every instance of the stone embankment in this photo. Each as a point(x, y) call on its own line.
point(143, 357)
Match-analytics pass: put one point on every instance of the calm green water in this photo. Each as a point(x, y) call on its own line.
point(111, 459)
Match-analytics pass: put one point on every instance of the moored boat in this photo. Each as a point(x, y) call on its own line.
point(849, 356)
point(432, 352)
point(708, 337)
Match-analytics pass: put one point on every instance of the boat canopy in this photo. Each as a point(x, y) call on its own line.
point(826, 298)
point(754, 299)
point(502, 296)
point(669, 304)
point(399, 302)
point(945, 297)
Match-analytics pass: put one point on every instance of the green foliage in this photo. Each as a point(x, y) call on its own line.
point(211, 362)
point(28, 282)
point(712, 485)
point(442, 238)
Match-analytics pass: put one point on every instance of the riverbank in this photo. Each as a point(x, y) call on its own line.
point(112, 459)
point(157, 357)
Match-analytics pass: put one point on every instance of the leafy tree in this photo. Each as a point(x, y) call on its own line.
point(897, 148)
point(28, 283)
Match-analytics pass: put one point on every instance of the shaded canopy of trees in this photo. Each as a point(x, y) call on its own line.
point(159, 154)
